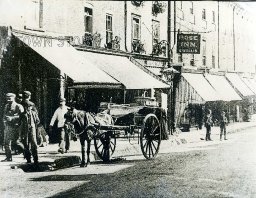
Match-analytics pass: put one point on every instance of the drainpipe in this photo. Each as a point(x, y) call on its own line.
point(169, 33)
point(218, 34)
point(125, 25)
point(174, 21)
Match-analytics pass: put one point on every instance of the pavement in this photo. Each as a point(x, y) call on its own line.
point(51, 160)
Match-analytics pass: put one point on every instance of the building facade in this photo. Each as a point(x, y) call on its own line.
point(146, 32)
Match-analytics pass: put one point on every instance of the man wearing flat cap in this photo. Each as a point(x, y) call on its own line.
point(58, 116)
point(28, 123)
point(26, 96)
point(12, 111)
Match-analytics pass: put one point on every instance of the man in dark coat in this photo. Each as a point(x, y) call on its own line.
point(223, 123)
point(12, 111)
point(208, 125)
point(28, 124)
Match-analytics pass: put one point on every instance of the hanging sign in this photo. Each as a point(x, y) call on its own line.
point(188, 43)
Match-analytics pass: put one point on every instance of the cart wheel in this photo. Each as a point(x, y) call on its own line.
point(105, 145)
point(150, 137)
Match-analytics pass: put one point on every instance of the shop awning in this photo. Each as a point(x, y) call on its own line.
point(249, 84)
point(67, 59)
point(236, 81)
point(123, 70)
point(223, 88)
point(201, 86)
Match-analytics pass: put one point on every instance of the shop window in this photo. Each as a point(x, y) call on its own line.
point(204, 14)
point(109, 30)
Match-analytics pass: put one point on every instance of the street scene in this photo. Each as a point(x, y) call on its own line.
point(127, 98)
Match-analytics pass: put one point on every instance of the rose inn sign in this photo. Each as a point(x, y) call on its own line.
point(188, 43)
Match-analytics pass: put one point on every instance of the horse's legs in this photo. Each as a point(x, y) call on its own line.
point(82, 142)
point(88, 150)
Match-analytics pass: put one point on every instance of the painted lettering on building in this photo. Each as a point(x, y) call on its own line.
point(188, 43)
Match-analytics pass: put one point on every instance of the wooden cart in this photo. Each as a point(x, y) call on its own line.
point(148, 123)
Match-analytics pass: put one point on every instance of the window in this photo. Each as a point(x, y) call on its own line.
point(156, 32)
point(109, 30)
point(88, 20)
point(204, 53)
point(204, 14)
point(191, 8)
point(213, 16)
point(213, 61)
point(136, 28)
point(41, 14)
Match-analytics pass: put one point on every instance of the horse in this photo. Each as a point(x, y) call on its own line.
point(78, 124)
point(84, 125)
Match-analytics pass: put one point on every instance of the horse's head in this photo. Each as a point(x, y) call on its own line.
point(75, 120)
point(70, 116)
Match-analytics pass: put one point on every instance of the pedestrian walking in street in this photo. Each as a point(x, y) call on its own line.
point(58, 116)
point(26, 96)
point(28, 124)
point(223, 123)
point(208, 125)
point(12, 111)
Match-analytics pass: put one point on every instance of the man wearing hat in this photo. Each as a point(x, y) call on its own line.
point(26, 96)
point(28, 123)
point(12, 111)
point(223, 123)
point(58, 116)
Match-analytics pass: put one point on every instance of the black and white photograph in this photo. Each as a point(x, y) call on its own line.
point(127, 99)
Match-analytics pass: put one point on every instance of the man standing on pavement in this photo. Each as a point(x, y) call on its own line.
point(64, 142)
point(28, 124)
point(208, 125)
point(11, 118)
point(223, 123)
point(26, 97)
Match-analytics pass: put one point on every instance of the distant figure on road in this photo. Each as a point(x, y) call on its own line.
point(28, 124)
point(64, 141)
point(208, 125)
point(12, 111)
point(223, 123)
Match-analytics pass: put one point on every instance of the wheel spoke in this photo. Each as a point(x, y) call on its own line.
point(111, 148)
point(154, 145)
point(153, 131)
point(112, 143)
point(152, 150)
point(149, 149)
point(99, 145)
point(145, 145)
point(102, 152)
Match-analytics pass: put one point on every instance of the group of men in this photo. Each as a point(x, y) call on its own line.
point(20, 124)
point(209, 123)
